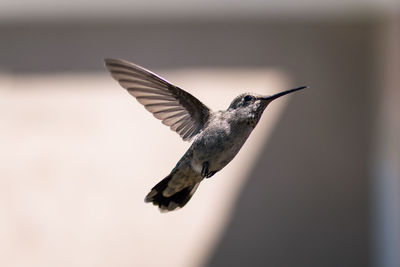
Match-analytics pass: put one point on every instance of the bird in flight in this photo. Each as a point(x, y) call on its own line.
point(217, 135)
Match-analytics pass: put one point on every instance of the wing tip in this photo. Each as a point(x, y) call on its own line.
point(108, 61)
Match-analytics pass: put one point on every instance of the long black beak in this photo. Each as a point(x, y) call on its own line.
point(275, 96)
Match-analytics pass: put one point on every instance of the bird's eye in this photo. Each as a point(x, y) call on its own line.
point(247, 98)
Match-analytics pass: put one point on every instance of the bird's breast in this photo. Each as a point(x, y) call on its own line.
point(218, 144)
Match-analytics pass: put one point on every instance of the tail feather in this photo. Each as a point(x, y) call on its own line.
point(177, 200)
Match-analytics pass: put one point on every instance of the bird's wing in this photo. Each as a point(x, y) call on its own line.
point(178, 109)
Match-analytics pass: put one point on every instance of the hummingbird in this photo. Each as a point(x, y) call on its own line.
point(217, 135)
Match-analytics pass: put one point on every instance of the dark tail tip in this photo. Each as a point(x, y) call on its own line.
point(177, 200)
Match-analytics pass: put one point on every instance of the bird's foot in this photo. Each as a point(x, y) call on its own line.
point(205, 172)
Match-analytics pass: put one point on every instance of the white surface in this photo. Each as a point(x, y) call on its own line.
point(78, 155)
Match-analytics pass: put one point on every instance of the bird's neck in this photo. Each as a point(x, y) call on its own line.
point(242, 117)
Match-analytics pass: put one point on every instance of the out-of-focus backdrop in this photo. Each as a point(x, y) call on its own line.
point(317, 184)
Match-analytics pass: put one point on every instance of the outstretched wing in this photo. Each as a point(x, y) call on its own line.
point(178, 109)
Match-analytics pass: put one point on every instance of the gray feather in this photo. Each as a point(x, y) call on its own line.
point(175, 107)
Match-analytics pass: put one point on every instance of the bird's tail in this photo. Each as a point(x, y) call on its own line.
point(177, 200)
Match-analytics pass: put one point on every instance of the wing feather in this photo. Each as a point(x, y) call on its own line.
point(176, 108)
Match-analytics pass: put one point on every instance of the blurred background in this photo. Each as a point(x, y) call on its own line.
point(317, 184)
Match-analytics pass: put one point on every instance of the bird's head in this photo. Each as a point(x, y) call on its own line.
point(253, 105)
